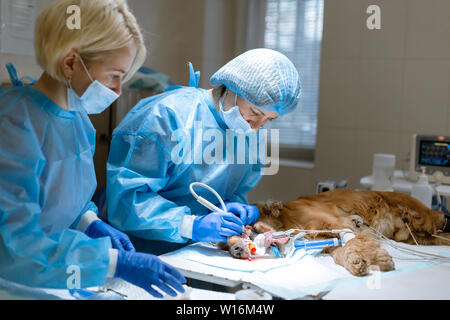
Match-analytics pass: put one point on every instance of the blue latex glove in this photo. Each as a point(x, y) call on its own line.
point(216, 226)
point(145, 270)
point(119, 240)
point(249, 214)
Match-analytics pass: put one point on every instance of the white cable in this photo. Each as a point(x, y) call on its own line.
point(438, 195)
point(443, 238)
point(405, 222)
point(423, 255)
point(317, 231)
point(411, 234)
point(205, 202)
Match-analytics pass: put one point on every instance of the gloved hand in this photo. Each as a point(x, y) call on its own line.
point(216, 226)
point(145, 270)
point(119, 240)
point(249, 214)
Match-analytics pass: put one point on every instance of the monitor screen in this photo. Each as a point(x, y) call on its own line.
point(434, 153)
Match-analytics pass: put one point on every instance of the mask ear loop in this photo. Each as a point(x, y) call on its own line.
point(69, 81)
point(85, 69)
point(69, 85)
point(222, 98)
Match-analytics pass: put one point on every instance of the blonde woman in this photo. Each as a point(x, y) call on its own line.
point(48, 225)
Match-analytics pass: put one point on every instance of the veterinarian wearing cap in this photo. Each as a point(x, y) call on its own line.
point(148, 191)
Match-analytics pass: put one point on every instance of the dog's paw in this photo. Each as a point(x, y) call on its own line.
point(358, 258)
point(383, 260)
point(261, 227)
point(356, 263)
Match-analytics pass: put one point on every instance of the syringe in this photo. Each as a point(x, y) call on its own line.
point(317, 244)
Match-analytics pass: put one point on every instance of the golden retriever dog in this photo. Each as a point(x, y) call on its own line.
point(390, 213)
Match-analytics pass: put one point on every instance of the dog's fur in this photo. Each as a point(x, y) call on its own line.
point(387, 212)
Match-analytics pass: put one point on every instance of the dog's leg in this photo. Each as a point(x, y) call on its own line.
point(360, 253)
point(261, 227)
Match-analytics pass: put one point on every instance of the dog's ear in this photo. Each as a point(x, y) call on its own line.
point(275, 208)
point(261, 205)
point(270, 208)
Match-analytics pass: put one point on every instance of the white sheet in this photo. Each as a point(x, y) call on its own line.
point(306, 274)
point(209, 255)
point(303, 274)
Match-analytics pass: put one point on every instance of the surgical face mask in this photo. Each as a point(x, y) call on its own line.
point(95, 99)
point(233, 118)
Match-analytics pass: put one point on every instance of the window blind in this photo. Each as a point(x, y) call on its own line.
point(294, 27)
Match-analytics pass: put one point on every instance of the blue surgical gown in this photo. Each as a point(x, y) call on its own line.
point(47, 180)
point(148, 188)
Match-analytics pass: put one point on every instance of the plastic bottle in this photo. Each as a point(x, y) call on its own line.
point(259, 244)
point(421, 190)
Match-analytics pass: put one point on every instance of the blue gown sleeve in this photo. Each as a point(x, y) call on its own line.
point(28, 255)
point(91, 206)
point(139, 166)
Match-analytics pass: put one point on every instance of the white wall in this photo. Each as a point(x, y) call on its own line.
point(376, 89)
point(175, 34)
point(25, 65)
point(173, 31)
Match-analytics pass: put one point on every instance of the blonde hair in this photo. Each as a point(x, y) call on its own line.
point(106, 25)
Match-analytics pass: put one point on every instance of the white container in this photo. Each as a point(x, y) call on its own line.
point(383, 172)
point(423, 191)
point(259, 244)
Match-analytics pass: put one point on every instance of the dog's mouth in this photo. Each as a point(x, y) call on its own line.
point(238, 245)
point(240, 249)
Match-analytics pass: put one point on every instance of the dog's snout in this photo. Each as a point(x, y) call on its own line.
point(238, 251)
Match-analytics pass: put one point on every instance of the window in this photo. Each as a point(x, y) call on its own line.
point(294, 27)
